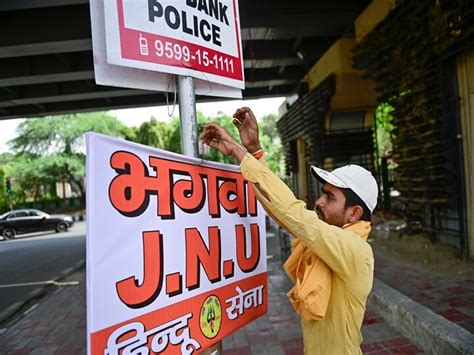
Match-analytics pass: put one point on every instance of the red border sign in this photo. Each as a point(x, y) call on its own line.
point(178, 53)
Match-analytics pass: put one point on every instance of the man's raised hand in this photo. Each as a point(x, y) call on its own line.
point(217, 137)
point(246, 123)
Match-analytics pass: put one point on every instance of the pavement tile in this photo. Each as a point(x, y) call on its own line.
point(68, 351)
point(424, 286)
point(421, 297)
point(240, 338)
point(436, 305)
point(468, 325)
point(467, 310)
point(273, 348)
point(296, 343)
point(409, 349)
point(467, 284)
point(455, 315)
point(378, 332)
point(238, 351)
point(293, 351)
point(228, 343)
point(459, 290)
point(21, 344)
point(281, 319)
point(395, 342)
point(372, 319)
point(459, 301)
point(24, 351)
point(370, 347)
point(44, 350)
point(262, 336)
point(35, 341)
point(263, 323)
point(285, 333)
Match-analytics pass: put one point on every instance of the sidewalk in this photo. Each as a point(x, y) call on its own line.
point(57, 324)
point(446, 290)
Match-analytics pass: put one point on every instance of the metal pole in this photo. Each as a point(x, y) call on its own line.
point(187, 116)
point(189, 142)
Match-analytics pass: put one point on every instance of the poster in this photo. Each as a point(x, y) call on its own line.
point(176, 251)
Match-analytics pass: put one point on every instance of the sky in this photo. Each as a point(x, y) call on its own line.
point(136, 116)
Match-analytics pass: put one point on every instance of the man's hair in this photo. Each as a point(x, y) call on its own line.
point(353, 200)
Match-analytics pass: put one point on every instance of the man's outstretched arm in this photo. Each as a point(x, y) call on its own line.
point(337, 247)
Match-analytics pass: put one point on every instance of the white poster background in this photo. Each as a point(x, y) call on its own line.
point(114, 242)
point(120, 76)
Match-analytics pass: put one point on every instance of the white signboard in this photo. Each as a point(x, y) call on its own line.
point(199, 38)
point(176, 252)
point(130, 76)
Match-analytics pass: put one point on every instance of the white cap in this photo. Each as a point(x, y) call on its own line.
point(352, 177)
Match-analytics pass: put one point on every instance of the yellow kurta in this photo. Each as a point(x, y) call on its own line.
point(348, 255)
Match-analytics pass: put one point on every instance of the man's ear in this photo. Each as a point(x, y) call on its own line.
point(356, 213)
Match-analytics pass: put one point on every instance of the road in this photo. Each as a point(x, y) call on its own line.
point(37, 257)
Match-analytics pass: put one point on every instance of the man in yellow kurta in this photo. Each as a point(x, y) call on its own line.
point(334, 268)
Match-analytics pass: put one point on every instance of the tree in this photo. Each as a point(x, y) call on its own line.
point(3, 192)
point(52, 149)
point(159, 134)
point(7, 195)
point(167, 136)
point(271, 143)
point(5, 158)
point(62, 134)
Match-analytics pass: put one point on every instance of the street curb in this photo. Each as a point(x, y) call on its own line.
point(38, 292)
point(421, 325)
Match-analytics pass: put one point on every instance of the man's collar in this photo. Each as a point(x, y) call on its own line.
point(361, 228)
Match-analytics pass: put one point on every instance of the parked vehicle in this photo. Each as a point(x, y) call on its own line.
point(30, 220)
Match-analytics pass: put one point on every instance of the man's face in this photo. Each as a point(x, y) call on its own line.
point(330, 206)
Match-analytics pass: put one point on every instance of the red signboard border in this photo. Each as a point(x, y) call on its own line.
point(133, 34)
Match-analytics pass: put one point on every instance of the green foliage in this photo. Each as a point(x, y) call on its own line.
point(8, 199)
point(154, 133)
point(62, 134)
point(167, 136)
point(158, 134)
point(383, 134)
point(271, 143)
point(174, 144)
point(3, 193)
point(5, 158)
point(128, 133)
point(51, 149)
